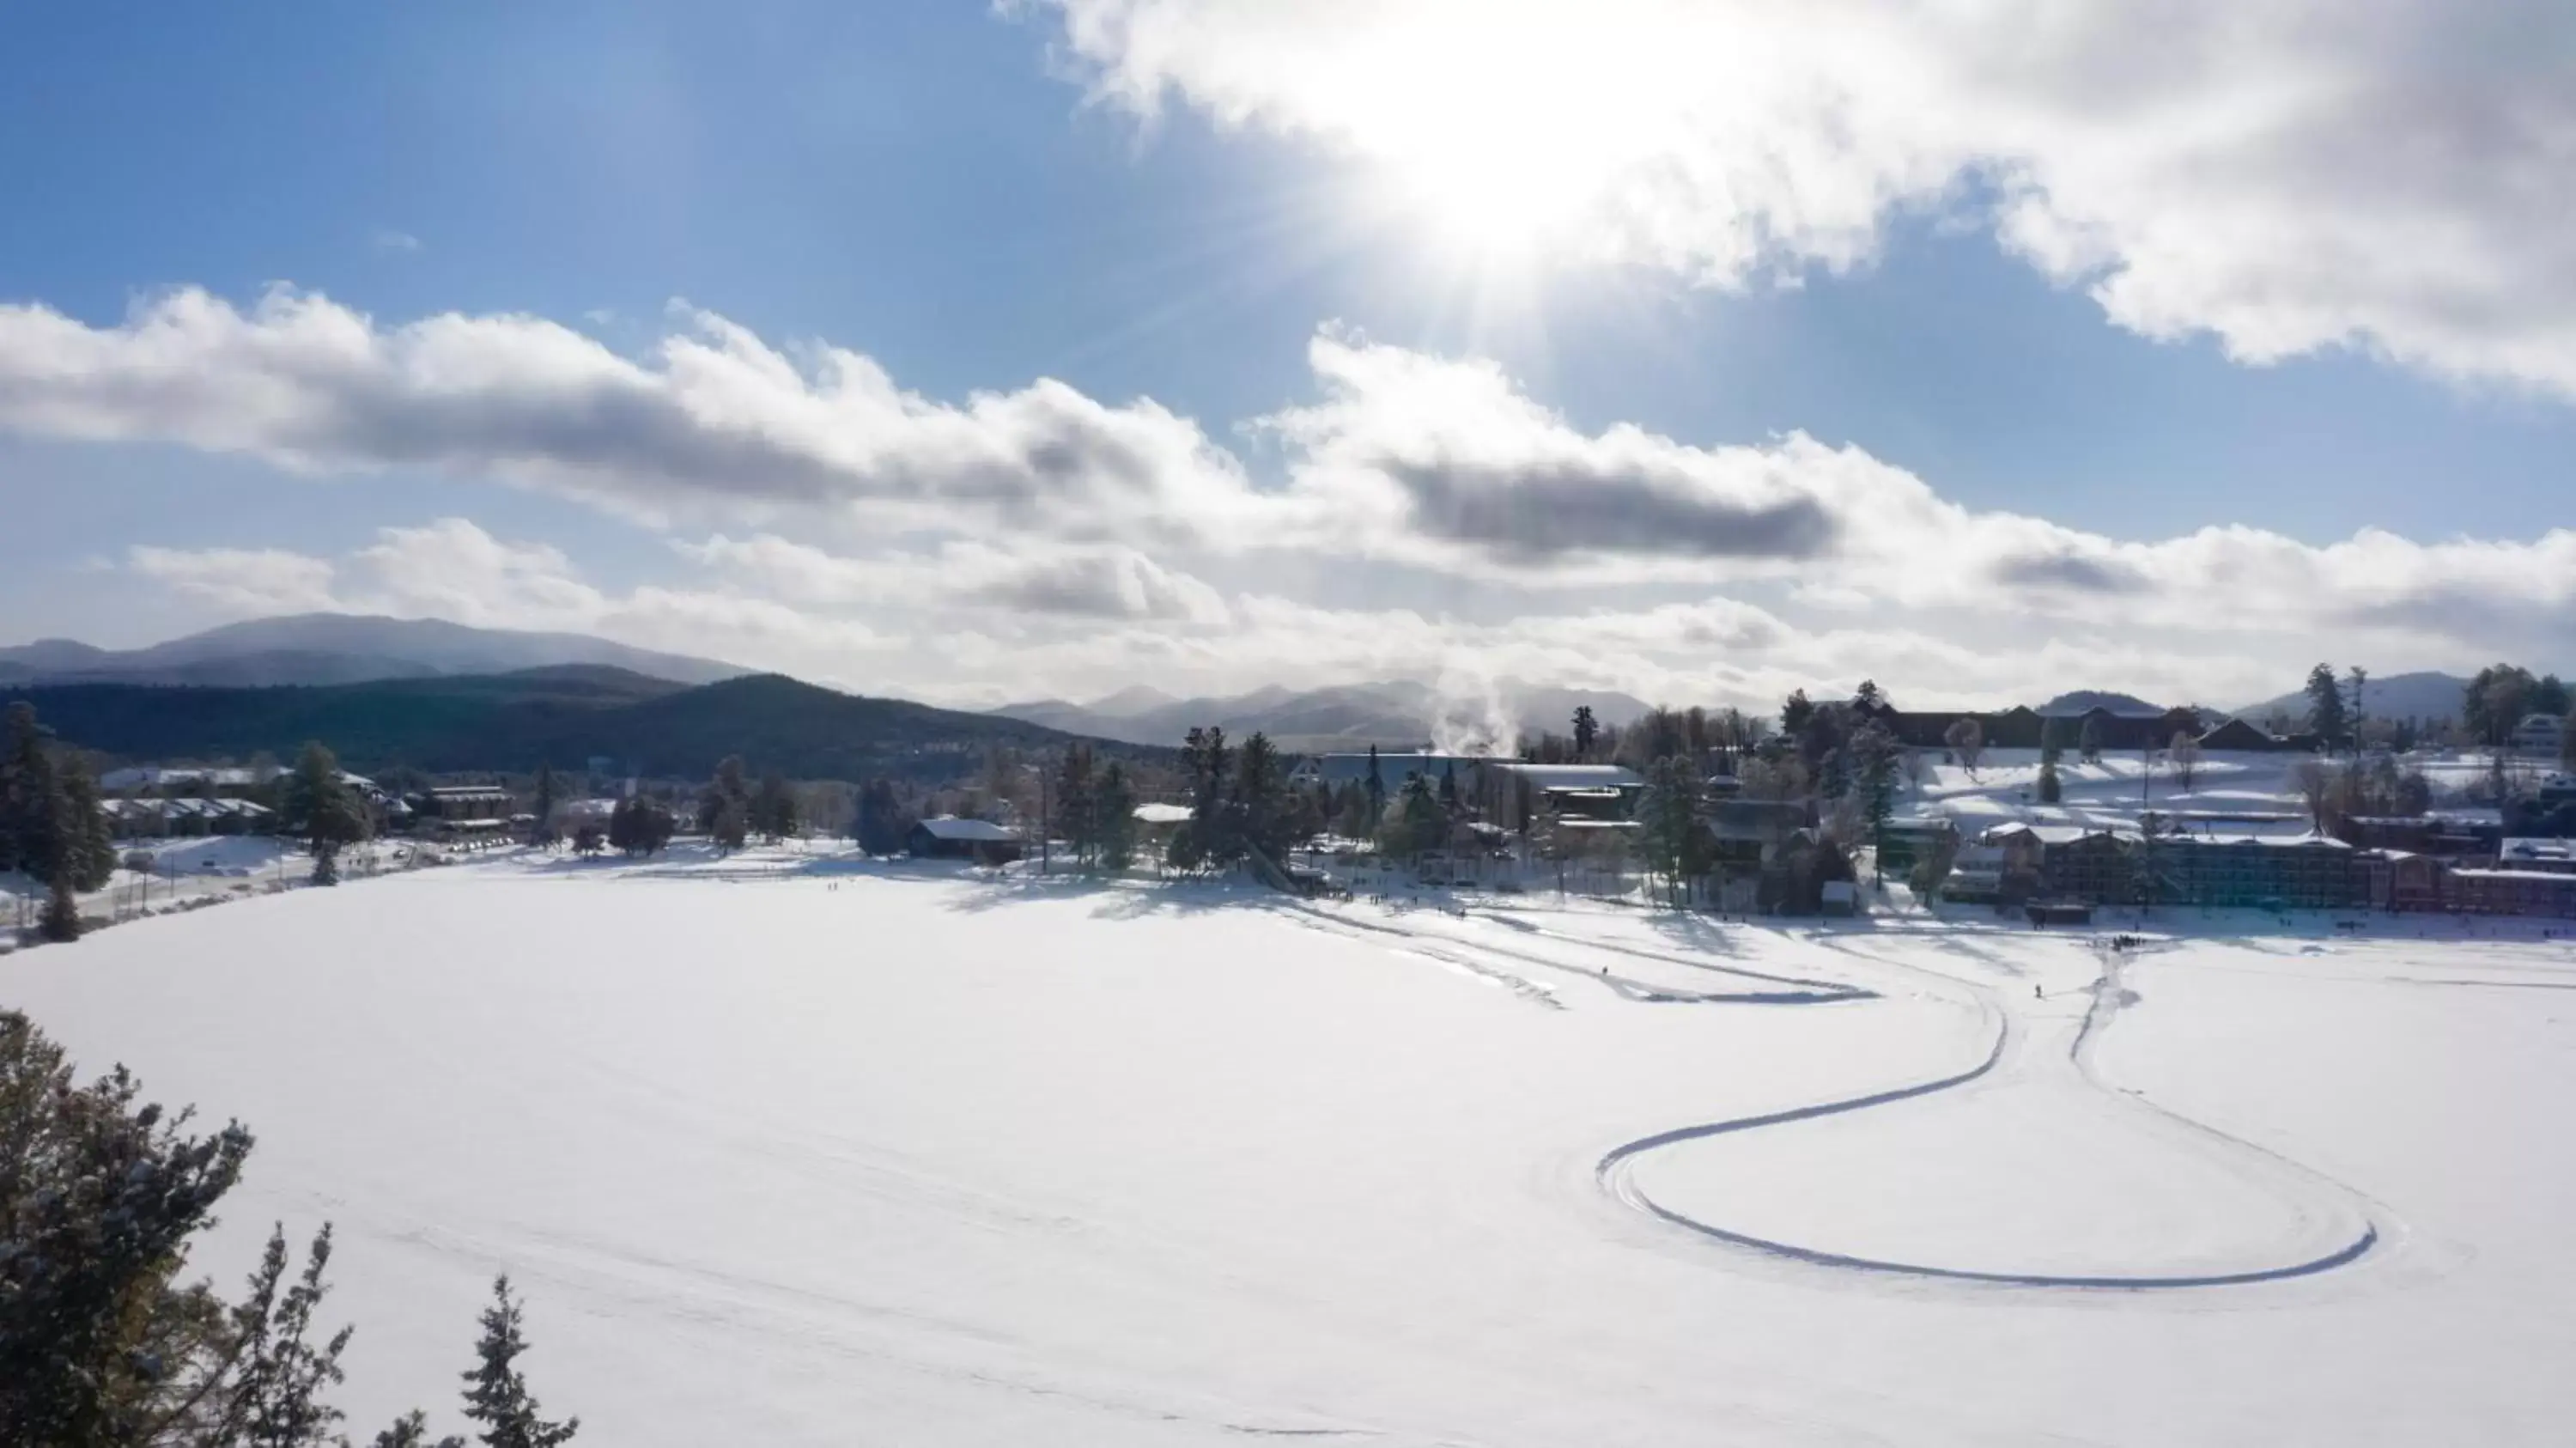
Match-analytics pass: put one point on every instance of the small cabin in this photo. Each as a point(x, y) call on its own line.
point(950, 838)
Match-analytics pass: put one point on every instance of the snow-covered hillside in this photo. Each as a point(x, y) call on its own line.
point(793, 1151)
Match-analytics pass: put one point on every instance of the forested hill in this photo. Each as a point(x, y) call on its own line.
point(563, 715)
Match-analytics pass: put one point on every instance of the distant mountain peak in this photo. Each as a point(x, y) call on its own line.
point(1134, 699)
point(340, 648)
point(2085, 701)
point(1390, 713)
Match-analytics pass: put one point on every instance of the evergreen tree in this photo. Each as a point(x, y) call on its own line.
point(544, 805)
point(2550, 695)
point(1586, 730)
point(100, 1344)
point(2567, 742)
point(1418, 822)
point(1260, 819)
point(1795, 711)
point(1353, 820)
point(29, 806)
point(2088, 740)
point(1077, 804)
point(88, 836)
point(496, 1392)
point(2049, 788)
point(879, 823)
point(272, 1397)
point(1376, 788)
point(98, 1197)
point(1874, 753)
point(1113, 820)
point(1208, 763)
point(730, 826)
point(654, 825)
point(773, 810)
point(320, 806)
point(724, 806)
point(1449, 786)
point(412, 1431)
point(1667, 818)
point(2327, 716)
point(2495, 701)
point(61, 922)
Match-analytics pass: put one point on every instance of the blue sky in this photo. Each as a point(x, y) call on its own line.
point(1165, 206)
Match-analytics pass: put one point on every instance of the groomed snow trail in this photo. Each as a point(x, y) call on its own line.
point(2320, 1224)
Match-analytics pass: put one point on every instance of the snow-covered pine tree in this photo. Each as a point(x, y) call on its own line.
point(496, 1392)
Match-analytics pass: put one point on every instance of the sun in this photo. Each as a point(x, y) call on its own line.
point(1506, 147)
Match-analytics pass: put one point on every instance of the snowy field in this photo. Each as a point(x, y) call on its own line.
point(2231, 793)
point(799, 1152)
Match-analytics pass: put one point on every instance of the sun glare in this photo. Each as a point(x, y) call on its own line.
point(1502, 149)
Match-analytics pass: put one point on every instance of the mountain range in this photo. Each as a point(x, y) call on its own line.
point(510, 723)
point(339, 648)
point(2425, 696)
point(1393, 714)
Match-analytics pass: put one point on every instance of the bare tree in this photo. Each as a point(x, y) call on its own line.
point(2183, 757)
point(1967, 741)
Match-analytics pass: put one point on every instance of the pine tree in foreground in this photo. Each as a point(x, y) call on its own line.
point(496, 1392)
point(103, 1346)
point(412, 1431)
point(272, 1395)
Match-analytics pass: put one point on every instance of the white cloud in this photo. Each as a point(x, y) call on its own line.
point(453, 569)
point(2285, 174)
point(713, 420)
point(1040, 533)
point(1094, 582)
point(239, 580)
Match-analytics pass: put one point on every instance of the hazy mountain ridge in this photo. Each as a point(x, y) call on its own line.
point(563, 715)
point(2426, 694)
point(1389, 713)
point(339, 648)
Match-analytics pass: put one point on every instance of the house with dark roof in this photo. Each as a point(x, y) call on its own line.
point(946, 837)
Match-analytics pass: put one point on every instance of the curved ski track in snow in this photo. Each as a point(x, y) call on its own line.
point(1616, 1176)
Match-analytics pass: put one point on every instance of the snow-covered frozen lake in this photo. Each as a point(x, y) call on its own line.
point(853, 1154)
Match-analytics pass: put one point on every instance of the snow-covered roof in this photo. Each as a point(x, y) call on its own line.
point(1157, 813)
point(2557, 877)
point(1571, 776)
point(154, 776)
point(2538, 849)
point(2304, 840)
point(950, 827)
point(183, 808)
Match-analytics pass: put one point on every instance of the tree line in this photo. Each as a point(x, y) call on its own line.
point(52, 827)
